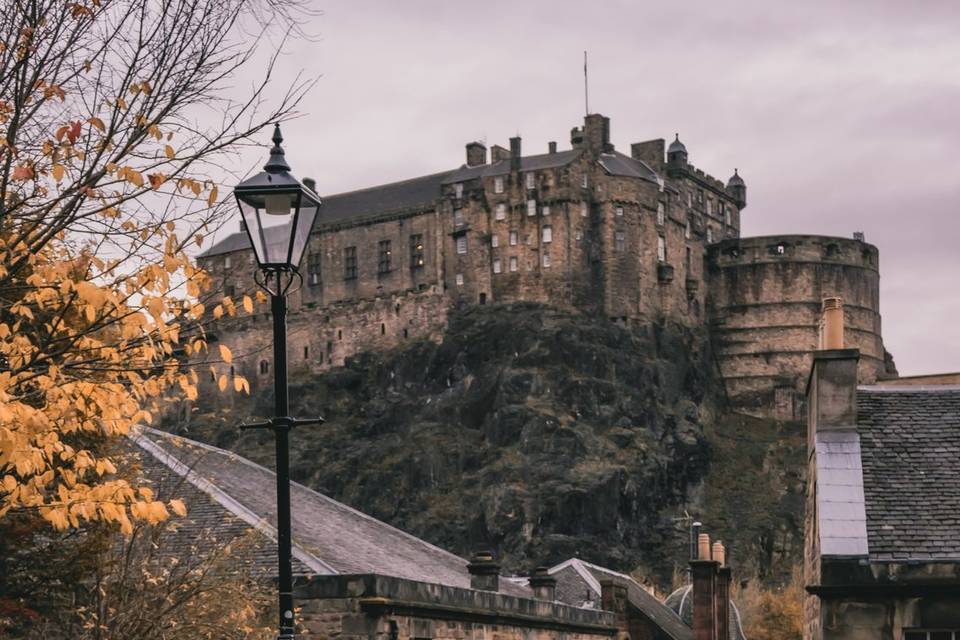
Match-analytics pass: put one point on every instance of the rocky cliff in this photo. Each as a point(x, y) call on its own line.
point(533, 432)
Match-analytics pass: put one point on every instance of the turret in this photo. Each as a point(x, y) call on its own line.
point(737, 188)
point(676, 157)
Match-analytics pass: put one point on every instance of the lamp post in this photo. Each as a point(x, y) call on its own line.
point(278, 214)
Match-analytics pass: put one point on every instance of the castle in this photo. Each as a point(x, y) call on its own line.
point(632, 238)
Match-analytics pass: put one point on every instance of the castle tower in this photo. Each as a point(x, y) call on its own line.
point(738, 189)
point(676, 157)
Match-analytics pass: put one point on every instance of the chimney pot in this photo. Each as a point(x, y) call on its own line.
point(694, 539)
point(484, 572)
point(515, 153)
point(831, 324)
point(310, 183)
point(703, 546)
point(719, 552)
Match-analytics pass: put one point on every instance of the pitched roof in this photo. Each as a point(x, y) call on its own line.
point(681, 601)
point(910, 447)
point(502, 167)
point(618, 164)
point(328, 537)
point(840, 501)
point(574, 575)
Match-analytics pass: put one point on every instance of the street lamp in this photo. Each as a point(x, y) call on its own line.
point(278, 214)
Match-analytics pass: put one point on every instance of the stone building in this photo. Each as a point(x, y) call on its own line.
point(361, 579)
point(882, 552)
point(644, 236)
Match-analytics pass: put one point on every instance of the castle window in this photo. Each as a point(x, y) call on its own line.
point(264, 367)
point(583, 209)
point(462, 244)
point(546, 260)
point(496, 265)
point(531, 207)
point(619, 241)
point(405, 333)
point(688, 261)
point(583, 181)
point(544, 211)
point(306, 353)
point(547, 234)
point(578, 235)
point(939, 634)
point(700, 196)
point(619, 211)
point(459, 279)
point(709, 206)
point(531, 180)
point(689, 198)
point(416, 251)
point(494, 240)
point(349, 263)
point(226, 262)
point(501, 213)
point(313, 269)
point(383, 329)
point(726, 214)
point(458, 190)
point(686, 231)
point(781, 249)
point(458, 217)
point(339, 334)
point(498, 184)
point(661, 249)
point(513, 238)
point(513, 263)
point(384, 252)
point(661, 214)
point(709, 235)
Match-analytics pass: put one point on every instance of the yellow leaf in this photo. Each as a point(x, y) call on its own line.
point(218, 312)
point(225, 354)
point(57, 172)
point(178, 507)
point(198, 239)
point(247, 304)
point(98, 123)
point(212, 198)
point(169, 151)
point(222, 383)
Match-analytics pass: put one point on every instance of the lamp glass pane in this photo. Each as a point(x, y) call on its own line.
point(301, 235)
point(251, 220)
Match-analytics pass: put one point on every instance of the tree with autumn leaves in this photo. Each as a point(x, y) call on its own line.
point(116, 124)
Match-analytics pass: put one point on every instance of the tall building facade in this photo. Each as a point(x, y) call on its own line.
point(644, 236)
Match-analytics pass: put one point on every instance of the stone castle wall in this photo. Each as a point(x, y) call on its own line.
point(765, 298)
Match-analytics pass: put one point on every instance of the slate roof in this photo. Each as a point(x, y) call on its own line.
point(618, 164)
point(576, 577)
point(910, 447)
point(840, 497)
point(527, 163)
point(329, 537)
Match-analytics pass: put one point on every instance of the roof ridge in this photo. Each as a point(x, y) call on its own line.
point(324, 497)
point(388, 184)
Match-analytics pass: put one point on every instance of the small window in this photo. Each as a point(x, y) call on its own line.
point(501, 212)
point(226, 262)
point(349, 263)
point(619, 241)
point(781, 249)
point(494, 240)
point(583, 181)
point(619, 212)
point(384, 252)
point(547, 234)
point(544, 210)
point(661, 214)
point(688, 260)
point(496, 265)
point(726, 214)
point(513, 238)
point(686, 231)
point(498, 184)
point(459, 279)
point(584, 210)
point(578, 235)
point(661, 249)
point(709, 206)
point(416, 251)
point(700, 196)
point(313, 269)
point(462, 244)
point(383, 329)
point(306, 353)
point(264, 367)
point(531, 181)
point(689, 198)
point(531, 207)
point(458, 190)
point(546, 260)
point(513, 263)
point(458, 217)
point(709, 235)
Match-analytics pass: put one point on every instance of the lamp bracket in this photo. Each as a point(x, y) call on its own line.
point(282, 422)
point(285, 280)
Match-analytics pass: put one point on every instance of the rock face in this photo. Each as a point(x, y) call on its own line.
point(533, 432)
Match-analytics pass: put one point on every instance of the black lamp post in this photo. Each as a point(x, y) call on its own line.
point(278, 214)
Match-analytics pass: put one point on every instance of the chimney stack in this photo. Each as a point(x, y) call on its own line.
point(552, 147)
point(310, 183)
point(515, 153)
point(476, 154)
point(543, 584)
point(711, 587)
point(498, 153)
point(484, 572)
point(723, 603)
point(832, 386)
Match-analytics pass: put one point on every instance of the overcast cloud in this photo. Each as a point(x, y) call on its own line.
point(841, 116)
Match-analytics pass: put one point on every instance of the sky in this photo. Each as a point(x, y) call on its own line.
point(841, 116)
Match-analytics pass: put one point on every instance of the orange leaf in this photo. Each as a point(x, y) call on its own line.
point(169, 151)
point(98, 123)
point(57, 172)
point(156, 179)
point(212, 198)
point(23, 172)
point(225, 354)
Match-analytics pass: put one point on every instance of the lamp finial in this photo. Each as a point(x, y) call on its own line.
point(277, 161)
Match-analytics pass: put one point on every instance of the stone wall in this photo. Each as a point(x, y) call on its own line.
point(370, 607)
point(765, 296)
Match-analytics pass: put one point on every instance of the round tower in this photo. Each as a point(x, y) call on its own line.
point(676, 157)
point(737, 188)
